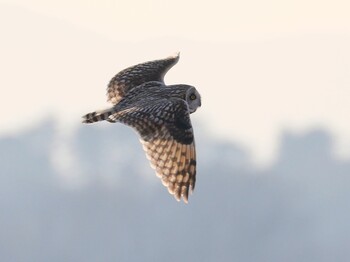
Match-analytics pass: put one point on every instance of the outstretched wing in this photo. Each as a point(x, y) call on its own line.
point(167, 137)
point(138, 74)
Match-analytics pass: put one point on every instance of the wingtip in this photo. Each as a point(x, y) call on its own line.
point(179, 197)
point(185, 200)
point(175, 55)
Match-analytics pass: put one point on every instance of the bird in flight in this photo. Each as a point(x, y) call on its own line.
point(160, 114)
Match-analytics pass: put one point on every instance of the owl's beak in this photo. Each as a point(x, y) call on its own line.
point(192, 110)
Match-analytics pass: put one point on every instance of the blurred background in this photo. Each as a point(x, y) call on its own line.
point(272, 135)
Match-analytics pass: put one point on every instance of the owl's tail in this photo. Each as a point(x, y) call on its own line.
point(98, 116)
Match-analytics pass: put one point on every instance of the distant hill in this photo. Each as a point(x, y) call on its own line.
point(295, 210)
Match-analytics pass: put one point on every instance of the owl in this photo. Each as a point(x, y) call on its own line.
point(160, 114)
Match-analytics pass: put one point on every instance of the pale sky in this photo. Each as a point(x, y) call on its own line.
point(262, 67)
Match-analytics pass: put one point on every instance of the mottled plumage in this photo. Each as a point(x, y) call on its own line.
point(138, 74)
point(160, 115)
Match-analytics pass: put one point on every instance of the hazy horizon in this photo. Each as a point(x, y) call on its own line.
point(109, 205)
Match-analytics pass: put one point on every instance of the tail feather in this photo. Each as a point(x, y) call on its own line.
point(97, 116)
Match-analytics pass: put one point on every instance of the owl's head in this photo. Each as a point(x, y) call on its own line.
point(193, 99)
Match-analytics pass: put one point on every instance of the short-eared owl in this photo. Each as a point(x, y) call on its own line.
point(161, 116)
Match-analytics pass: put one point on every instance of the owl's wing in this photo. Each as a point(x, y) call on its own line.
point(167, 137)
point(138, 74)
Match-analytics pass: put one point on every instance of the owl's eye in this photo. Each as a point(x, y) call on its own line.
point(193, 97)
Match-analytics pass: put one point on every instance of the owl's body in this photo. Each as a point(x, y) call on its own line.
point(160, 115)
